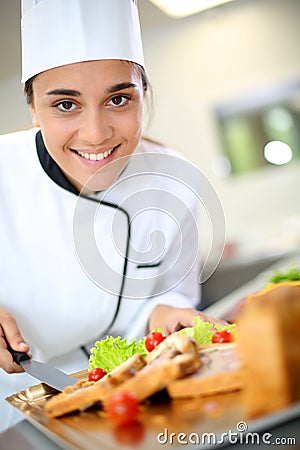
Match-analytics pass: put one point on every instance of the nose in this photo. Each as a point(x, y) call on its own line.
point(95, 127)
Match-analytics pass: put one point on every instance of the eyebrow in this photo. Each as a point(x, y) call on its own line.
point(68, 92)
point(120, 87)
point(73, 93)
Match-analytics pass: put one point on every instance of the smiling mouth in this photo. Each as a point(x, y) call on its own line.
point(95, 156)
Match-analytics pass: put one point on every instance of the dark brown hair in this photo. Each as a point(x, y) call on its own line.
point(28, 90)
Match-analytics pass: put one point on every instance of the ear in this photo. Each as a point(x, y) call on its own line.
point(34, 119)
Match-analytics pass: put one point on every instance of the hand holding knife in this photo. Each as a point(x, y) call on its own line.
point(43, 372)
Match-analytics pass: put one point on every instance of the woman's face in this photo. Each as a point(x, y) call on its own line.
point(90, 115)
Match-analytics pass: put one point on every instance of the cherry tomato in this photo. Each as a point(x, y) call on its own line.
point(122, 408)
point(153, 339)
point(222, 337)
point(96, 374)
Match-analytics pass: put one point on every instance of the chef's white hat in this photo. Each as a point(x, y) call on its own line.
point(60, 32)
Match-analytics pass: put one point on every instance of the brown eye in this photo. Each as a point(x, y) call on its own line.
point(65, 105)
point(118, 100)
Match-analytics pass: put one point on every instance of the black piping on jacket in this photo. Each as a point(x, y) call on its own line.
point(56, 174)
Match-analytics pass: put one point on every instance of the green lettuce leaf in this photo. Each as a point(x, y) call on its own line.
point(111, 352)
point(292, 274)
point(202, 332)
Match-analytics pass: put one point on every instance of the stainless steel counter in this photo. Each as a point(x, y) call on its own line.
point(24, 436)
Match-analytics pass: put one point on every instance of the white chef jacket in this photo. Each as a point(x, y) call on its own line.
point(63, 257)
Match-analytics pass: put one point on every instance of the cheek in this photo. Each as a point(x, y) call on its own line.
point(55, 140)
point(55, 135)
point(133, 125)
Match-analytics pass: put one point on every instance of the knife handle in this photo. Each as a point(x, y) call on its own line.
point(18, 357)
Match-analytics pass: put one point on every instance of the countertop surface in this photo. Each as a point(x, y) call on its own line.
point(24, 436)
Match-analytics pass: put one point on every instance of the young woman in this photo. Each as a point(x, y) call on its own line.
point(99, 230)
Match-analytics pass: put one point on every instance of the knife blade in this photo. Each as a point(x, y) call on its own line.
point(44, 372)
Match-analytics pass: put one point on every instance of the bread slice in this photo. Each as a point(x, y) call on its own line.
point(173, 345)
point(219, 371)
point(84, 394)
point(268, 337)
point(159, 374)
point(177, 357)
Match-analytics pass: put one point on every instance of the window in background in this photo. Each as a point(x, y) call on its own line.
point(260, 131)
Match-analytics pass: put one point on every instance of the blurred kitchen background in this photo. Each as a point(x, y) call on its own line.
point(226, 84)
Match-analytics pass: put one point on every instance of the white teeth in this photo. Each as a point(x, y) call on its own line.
point(95, 156)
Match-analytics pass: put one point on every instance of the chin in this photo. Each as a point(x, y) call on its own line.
point(106, 176)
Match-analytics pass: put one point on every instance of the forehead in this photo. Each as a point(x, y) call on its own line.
point(84, 75)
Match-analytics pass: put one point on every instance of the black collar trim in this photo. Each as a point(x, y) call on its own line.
point(50, 167)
